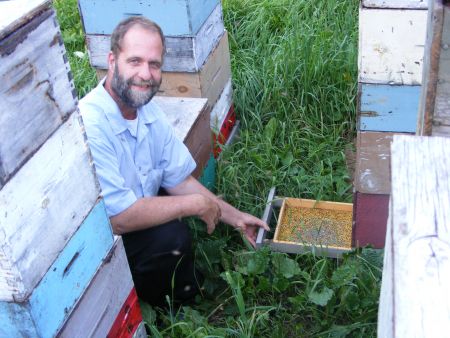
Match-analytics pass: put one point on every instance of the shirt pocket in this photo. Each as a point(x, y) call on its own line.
point(153, 182)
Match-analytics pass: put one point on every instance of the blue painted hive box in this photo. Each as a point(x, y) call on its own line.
point(176, 17)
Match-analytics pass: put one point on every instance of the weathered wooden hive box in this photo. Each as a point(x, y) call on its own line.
point(56, 243)
point(390, 61)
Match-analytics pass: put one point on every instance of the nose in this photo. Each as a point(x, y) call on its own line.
point(145, 73)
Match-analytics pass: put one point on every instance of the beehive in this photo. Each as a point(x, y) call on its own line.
point(54, 231)
point(390, 61)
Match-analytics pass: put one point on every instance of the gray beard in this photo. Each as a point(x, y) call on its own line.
point(130, 97)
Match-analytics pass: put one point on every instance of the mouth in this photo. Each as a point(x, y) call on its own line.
point(141, 86)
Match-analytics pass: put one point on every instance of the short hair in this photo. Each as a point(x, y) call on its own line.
point(125, 25)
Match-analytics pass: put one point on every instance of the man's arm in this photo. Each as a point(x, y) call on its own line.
point(242, 221)
point(152, 211)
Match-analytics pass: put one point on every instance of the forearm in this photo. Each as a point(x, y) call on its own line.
point(147, 212)
point(228, 213)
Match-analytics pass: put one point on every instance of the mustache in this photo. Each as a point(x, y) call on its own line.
point(142, 83)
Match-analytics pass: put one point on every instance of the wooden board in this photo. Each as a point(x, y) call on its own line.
point(42, 206)
point(388, 108)
point(370, 218)
point(183, 53)
point(36, 90)
point(103, 299)
point(66, 279)
point(12, 15)
point(405, 4)
point(176, 18)
point(391, 46)
point(372, 170)
point(70, 274)
point(434, 112)
point(415, 297)
point(16, 321)
point(221, 108)
point(190, 120)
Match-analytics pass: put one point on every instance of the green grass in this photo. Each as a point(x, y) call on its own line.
point(295, 80)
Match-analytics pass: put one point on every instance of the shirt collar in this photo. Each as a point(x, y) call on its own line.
point(114, 115)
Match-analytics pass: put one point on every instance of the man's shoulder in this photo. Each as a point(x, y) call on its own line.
point(93, 106)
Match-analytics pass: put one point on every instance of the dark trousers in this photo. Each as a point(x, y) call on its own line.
point(161, 263)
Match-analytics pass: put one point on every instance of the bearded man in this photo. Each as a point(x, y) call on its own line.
point(135, 154)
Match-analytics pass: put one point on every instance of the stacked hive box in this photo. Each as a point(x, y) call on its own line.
point(58, 255)
point(197, 60)
point(391, 49)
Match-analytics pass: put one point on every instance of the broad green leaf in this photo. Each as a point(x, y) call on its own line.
point(285, 266)
point(321, 298)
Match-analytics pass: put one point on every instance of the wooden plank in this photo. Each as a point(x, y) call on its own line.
point(266, 217)
point(70, 274)
point(434, 113)
point(288, 247)
point(370, 218)
point(13, 16)
point(16, 320)
point(42, 206)
point(220, 110)
point(103, 299)
point(35, 85)
point(183, 53)
point(388, 108)
point(183, 119)
point(416, 300)
point(191, 125)
point(372, 175)
point(391, 46)
point(400, 4)
point(186, 16)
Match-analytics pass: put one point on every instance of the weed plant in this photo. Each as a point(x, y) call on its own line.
point(294, 79)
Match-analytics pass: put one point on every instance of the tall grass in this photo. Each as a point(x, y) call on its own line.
point(294, 76)
point(294, 79)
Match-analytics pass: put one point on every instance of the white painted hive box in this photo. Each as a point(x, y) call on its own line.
point(36, 91)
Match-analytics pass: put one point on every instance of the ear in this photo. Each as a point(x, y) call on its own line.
point(111, 60)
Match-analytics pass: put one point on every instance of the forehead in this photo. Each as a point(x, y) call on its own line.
point(141, 40)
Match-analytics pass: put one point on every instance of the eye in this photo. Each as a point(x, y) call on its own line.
point(134, 62)
point(154, 65)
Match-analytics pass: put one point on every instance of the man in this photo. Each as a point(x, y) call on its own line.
point(136, 153)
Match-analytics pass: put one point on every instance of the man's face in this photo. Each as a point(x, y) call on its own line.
point(137, 68)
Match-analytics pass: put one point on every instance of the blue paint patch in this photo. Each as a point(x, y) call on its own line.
point(68, 277)
point(176, 17)
point(389, 108)
point(15, 321)
point(208, 177)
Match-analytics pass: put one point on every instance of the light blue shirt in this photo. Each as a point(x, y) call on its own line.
point(129, 167)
